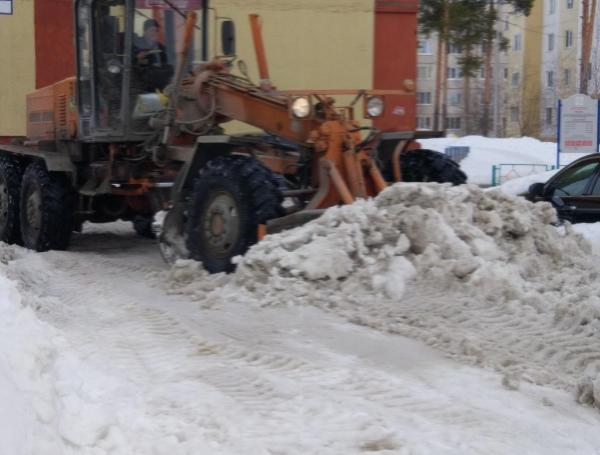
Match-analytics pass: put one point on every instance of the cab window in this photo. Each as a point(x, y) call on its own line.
point(575, 181)
point(109, 21)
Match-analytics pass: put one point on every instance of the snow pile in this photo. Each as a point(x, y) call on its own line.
point(483, 275)
point(449, 236)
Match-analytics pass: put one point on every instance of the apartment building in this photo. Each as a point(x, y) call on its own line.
point(540, 66)
point(454, 111)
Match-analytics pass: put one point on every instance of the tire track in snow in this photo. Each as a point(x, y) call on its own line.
point(529, 344)
point(105, 307)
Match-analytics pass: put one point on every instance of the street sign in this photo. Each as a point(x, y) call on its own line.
point(577, 125)
point(183, 5)
point(6, 7)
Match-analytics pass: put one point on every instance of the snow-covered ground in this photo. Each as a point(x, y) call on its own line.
point(432, 320)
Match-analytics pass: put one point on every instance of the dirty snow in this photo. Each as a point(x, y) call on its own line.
point(430, 320)
point(491, 280)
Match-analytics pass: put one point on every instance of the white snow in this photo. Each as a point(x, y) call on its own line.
point(488, 152)
point(431, 320)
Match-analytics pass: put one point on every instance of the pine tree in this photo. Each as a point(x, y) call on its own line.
point(469, 30)
point(490, 40)
point(433, 19)
point(460, 22)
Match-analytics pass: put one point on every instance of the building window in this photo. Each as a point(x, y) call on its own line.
point(514, 113)
point(506, 24)
point(454, 98)
point(453, 123)
point(424, 47)
point(551, 42)
point(570, 4)
point(567, 77)
point(454, 48)
point(424, 123)
point(517, 44)
point(516, 79)
point(424, 72)
point(550, 78)
point(505, 73)
point(454, 73)
point(482, 73)
point(549, 116)
point(423, 97)
point(552, 6)
point(568, 38)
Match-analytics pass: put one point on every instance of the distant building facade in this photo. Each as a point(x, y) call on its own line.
point(539, 67)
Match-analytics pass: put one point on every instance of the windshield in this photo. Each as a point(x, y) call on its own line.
point(158, 33)
point(159, 27)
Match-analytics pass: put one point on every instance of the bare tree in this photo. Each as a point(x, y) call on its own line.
point(588, 18)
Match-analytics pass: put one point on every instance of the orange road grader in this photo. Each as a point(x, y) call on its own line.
point(139, 131)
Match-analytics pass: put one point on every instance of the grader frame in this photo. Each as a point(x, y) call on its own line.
point(121, 156)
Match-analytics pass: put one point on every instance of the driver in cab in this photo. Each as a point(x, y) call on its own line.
point(151, 58)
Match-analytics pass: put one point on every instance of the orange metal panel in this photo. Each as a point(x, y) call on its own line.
point(259, 47)
point(395, 65)
point(65, 109)
point(52, 112)
point(40, 117)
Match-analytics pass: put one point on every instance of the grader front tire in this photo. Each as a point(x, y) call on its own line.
point(232, 195)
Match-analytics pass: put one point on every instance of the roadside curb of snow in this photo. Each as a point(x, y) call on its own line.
point(60, 405)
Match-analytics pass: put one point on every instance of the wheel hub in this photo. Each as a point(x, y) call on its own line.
point(217, 224)
point(221, 228)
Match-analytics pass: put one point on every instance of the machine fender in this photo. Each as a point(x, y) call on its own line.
point(194, 158)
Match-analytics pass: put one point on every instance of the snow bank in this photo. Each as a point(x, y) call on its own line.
point(483, 275)
point(27, 354)
point(50, 400)
point(520, 186)
point(487, 152)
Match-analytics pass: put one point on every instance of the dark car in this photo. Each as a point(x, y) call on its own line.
point(574, 191)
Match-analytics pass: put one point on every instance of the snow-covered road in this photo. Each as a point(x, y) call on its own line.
point(125, 363)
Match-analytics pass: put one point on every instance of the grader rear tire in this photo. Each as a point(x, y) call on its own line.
point(11, 174)
point(429, 166)
point(232, 195)
point(46, 208)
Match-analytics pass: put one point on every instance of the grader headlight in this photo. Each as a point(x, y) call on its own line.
point(375, 106)
point(301, 107)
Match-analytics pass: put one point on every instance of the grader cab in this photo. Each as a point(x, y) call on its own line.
point(140, 130)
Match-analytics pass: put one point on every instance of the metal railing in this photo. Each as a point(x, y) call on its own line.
point(501, 173)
